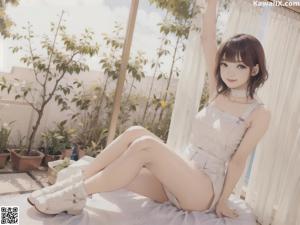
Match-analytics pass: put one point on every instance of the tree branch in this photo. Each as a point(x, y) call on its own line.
point(31, 54)
point(58, 80)
point(31, 104)
point(51, 54)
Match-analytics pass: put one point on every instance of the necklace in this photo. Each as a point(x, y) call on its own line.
point(242, 94)
point(238, 93)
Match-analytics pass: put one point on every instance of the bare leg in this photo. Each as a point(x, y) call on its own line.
point(170, 169)
point(115, 149)
point(118, 173)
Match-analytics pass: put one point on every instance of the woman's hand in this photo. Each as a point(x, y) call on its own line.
point(223, 210)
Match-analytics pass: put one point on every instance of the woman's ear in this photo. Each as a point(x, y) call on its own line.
point(255, 70)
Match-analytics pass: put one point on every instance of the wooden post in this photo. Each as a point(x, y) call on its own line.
point(121, 79)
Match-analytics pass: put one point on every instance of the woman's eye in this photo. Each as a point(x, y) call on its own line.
point(241, 66)
point(223, 64)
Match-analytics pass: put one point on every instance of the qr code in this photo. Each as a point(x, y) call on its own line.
point(10, 215)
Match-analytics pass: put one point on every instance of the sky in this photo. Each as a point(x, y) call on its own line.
point(98, 15)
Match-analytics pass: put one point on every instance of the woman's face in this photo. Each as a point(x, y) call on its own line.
point(234, 74)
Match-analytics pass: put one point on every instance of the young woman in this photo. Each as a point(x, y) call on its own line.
point(223, 135)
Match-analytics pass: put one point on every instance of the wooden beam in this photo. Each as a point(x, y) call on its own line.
point(294, 8)
point(121, 79)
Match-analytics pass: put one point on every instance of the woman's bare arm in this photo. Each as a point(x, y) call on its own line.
point(237, 163)
point(209, 42)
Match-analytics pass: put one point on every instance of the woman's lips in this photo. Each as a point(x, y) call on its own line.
point(231, 80)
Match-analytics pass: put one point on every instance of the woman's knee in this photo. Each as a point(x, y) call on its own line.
point(138, 131)
point(134, 132)
point(135, 128)
point(140, 147)
point(142, 142)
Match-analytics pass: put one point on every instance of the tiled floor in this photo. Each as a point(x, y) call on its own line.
point(12, 182)
point(17, 182)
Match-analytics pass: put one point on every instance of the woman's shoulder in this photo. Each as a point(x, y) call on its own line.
point(262, 112)
point(261, 118)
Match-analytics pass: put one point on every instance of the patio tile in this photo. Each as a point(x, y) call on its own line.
point(17, 182)
point(40, 176)
point(12, 182)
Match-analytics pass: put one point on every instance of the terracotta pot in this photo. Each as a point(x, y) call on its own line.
point(50, 158)
point(68, 153)
point(21, 162)
point(4, 158)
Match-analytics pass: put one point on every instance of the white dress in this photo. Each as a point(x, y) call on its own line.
point(215, 136)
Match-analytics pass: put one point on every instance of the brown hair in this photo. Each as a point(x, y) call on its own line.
point(251, 52)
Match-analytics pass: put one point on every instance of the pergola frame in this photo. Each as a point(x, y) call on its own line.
point(124, 63)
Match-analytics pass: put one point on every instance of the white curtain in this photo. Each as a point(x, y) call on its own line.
point(274, 187)
point(274, 183)
point(189, 87)
point(273, 191)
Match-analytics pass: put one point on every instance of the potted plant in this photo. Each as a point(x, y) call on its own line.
point(55, 166)
point(91, 132)
point(4, 135)
point(21, 161)
point(68, 134)
point(64, 55)
point(52, 146)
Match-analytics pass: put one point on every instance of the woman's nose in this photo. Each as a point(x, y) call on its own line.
point(231, 71)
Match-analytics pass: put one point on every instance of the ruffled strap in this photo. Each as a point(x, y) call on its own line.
point(251, 108)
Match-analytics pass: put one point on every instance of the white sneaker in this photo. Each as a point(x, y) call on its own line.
point(77, 177)
point(71, 199)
